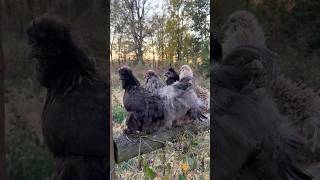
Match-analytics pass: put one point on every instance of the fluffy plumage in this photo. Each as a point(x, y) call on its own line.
point(261, 61)
point(201, 92)
point(252, 140)
point(176, 104)
point(152, 81)
point(302, 105)
point(146, 110)
point(171, 95)
point(185, 70)
point(242, 28)
point(171, 76)
point(181, 102)
point(75, 116)
point(299, 103)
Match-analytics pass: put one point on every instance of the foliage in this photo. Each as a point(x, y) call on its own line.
point(186, 158)
point(291, 28)
point(205, 54)
point(26, 157)
point(198, 11)
point(174, 36)
point(291, 31)
point(148, 171)
point(118, 113)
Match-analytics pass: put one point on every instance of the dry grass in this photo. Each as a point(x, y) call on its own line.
point(187, 157)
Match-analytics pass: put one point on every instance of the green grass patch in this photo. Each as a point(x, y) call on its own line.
point(26, 157)
point(118, 113)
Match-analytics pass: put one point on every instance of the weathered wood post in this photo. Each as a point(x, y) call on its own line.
point(127, 146)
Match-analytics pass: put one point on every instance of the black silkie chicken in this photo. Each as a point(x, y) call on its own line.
point(151, 112)
point(146, 110)
point(171, 76)
point(75, 117)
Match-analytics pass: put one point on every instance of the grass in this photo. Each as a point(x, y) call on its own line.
point(187, 157)
point(26, 157)
point(118, 113)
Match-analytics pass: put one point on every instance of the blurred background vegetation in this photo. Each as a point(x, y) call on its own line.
point(177, 34)
point(26, 156)
point(292, 30)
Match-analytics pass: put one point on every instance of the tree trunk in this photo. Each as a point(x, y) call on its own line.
point(124, 52)
point(111, 46)
point(2, 112)
point(136, 13)
point(153, 53)
point(111, 53)
point(127, 146)
point(119, 49)
point(162, 52)
point(139, 56)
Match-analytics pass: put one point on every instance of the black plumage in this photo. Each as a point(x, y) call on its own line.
point(145, 108)
point(171, 76)
point(75, 117)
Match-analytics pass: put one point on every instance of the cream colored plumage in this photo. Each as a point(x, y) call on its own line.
point(201, 92)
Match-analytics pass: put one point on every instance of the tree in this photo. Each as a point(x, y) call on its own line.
point(134, 11)
point(175, 29)
point(118, 28)
point(198, 12)
point(157, 33)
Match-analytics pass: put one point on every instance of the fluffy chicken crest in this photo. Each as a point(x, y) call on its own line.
point(185, 70)
point(242, 28)
point(125, 72)
point(124, 67)
point(149, 74)
point(202, 93)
